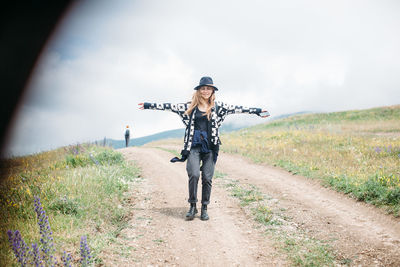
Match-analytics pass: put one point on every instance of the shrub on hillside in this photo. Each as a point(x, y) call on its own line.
point(99, 156)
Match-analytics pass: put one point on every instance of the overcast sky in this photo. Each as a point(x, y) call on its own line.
point(284, 56)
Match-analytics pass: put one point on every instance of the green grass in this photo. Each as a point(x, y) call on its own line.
point(379, 116)
point(82, 189)
point(355, 152)
point(246, 195)
point(263, 214)
point(219, 175)
point(172, 151)
point(306, 251)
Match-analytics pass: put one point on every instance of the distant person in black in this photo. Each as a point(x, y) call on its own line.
point(127, 134)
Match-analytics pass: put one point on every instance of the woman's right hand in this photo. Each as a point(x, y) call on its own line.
point(141, 105)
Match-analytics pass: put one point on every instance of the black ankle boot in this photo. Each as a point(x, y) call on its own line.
point(204, 215)
point(192, 211)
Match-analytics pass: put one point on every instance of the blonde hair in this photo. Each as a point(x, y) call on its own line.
point(196, 101)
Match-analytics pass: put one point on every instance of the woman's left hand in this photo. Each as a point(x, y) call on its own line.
point(264, 114)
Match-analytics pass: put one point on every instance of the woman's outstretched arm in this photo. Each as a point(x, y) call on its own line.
point(177, 108)
point(226, 109)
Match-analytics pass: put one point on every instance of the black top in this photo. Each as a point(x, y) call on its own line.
point(200, 120)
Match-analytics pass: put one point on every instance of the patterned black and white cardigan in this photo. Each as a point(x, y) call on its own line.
point(218, 114)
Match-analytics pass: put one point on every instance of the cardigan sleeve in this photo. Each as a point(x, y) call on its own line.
point(226, 109)
point(176, 108)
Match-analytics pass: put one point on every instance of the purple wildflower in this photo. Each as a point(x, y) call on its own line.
point(35, 254)
point(45, 232)
point(378, 149)
point(85, 252)
point(18, 246)
point(66, 259)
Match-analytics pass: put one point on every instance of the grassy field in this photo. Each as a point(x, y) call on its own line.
point(81, 189)
point(355, 152)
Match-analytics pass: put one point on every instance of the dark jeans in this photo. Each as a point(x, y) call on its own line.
point(207, 172)
point(126, 141)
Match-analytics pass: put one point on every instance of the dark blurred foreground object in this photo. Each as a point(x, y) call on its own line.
point(25, 27)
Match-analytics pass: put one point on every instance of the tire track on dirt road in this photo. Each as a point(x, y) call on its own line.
point(162, 236)
point(361, 234)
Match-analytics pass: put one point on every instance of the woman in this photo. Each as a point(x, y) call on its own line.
point(202, 117)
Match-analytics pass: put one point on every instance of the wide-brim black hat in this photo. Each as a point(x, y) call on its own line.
point(206, 81)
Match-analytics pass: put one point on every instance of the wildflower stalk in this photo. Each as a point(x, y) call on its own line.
point(18, 246)
point(66, 259)
point(35, 255)
point(85, 252)
point(46, 234)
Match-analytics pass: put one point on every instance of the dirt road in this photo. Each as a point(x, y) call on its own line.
point(360, 235)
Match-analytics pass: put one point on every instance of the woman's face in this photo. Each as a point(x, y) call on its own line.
point(206, 92)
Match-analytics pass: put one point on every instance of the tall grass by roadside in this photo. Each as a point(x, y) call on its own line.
point(356, 152)
point(82, 190)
